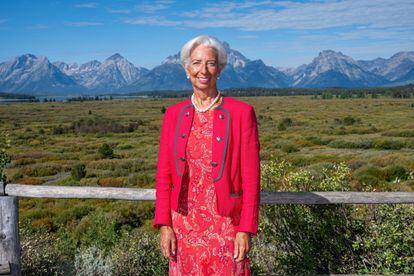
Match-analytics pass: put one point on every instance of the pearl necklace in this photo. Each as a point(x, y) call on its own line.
point(208, 107)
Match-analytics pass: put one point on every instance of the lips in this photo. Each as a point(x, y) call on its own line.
point(203, 80)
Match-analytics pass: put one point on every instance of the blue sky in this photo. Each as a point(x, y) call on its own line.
point(281, 33)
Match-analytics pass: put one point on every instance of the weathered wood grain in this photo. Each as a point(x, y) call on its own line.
point(266, 197)
point(9, 235)
point(337, 197)
point(79, 192)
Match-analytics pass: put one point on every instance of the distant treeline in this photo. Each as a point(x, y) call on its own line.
point(6, 95)
point(325, 93)
point(89, 98)
point(402, 92)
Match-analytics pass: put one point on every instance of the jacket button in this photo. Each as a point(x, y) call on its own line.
point(187, 113)
point(214, 164)
point(182, 158)
point(218, 138)
point(182, 135)
point(221, 116)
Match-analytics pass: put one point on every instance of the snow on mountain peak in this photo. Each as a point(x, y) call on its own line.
point(173, 59)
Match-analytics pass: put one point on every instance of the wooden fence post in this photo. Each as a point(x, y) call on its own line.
point(9, 234)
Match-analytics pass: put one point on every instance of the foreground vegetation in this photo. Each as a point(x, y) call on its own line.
point(307, 144)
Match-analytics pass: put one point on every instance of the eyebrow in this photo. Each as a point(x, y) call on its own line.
point(209, 60)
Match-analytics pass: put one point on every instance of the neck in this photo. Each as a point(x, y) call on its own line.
point(205, 97)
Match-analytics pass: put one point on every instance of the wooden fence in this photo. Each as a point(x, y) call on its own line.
point(9, 194)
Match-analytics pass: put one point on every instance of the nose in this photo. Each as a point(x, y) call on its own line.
point(203, 68)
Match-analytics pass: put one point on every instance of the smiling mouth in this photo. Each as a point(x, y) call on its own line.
point(203, 80)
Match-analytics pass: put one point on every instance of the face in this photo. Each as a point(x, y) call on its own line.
point(203, 68)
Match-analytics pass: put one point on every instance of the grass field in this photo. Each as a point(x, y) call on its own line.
point(374, 137)
point(369, 134)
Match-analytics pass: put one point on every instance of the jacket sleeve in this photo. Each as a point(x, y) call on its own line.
point(163, 177)
point(250, 173)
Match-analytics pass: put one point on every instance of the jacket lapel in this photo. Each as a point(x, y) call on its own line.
point(220, 139)
point(182, 130)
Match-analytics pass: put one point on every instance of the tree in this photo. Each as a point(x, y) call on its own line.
point(4, 157)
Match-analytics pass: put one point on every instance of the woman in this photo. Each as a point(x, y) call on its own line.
point(208, 172)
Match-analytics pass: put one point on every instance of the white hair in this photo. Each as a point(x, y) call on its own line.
point(205, 40)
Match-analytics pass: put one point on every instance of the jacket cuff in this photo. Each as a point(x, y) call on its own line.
point(164, 220)
point(251, 230)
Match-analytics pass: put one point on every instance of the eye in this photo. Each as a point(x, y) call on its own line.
point(211, 64)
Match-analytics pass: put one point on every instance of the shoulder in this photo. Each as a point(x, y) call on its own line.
point(236, 105)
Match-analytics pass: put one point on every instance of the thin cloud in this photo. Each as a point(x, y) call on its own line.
point(91, 5)
point(82, 24)
point(119, 11)
point(315, 15)
point(154, 6)
point(3, 21)
point(268, 15)
point(247, 36)
point(39, 27)
point(152, 20)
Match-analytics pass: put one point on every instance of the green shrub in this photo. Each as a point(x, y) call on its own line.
point(23, 162)
point(138, 253)
point(142, 180)
point(349, 120)
point(57, 130)
point(101, 125)
point(92, 261)
point(351, 144)
point(318, 140)
point(329, 239)
point(387, 244)
point(303, 239)
point(41, 255)
point(78, 171)
point(289, 148)
point(98, 229)
point(399, 133)
point(43, 170)
point(388, 144)
point(281, 126)
point(287, 122)
point(106, 151)
point(396, 172)
point(18, 175)
point(73, 214)
point(370, 175)
point(125, 146)
point(284, 124)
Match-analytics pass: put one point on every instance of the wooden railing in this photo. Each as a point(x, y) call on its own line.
point(9, 194)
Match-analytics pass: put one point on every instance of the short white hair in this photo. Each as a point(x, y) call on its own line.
point(205, 40)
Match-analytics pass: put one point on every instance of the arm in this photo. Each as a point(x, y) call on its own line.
point(250, 172)
point(163, 177)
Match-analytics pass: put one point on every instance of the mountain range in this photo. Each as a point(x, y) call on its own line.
point(36, 75)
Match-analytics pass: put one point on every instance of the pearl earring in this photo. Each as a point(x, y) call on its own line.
point(188, 76)
point(218, 77)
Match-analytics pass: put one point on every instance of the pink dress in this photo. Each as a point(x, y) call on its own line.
point(205, 240)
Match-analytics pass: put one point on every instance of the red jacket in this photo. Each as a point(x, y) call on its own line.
point(235, 161)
